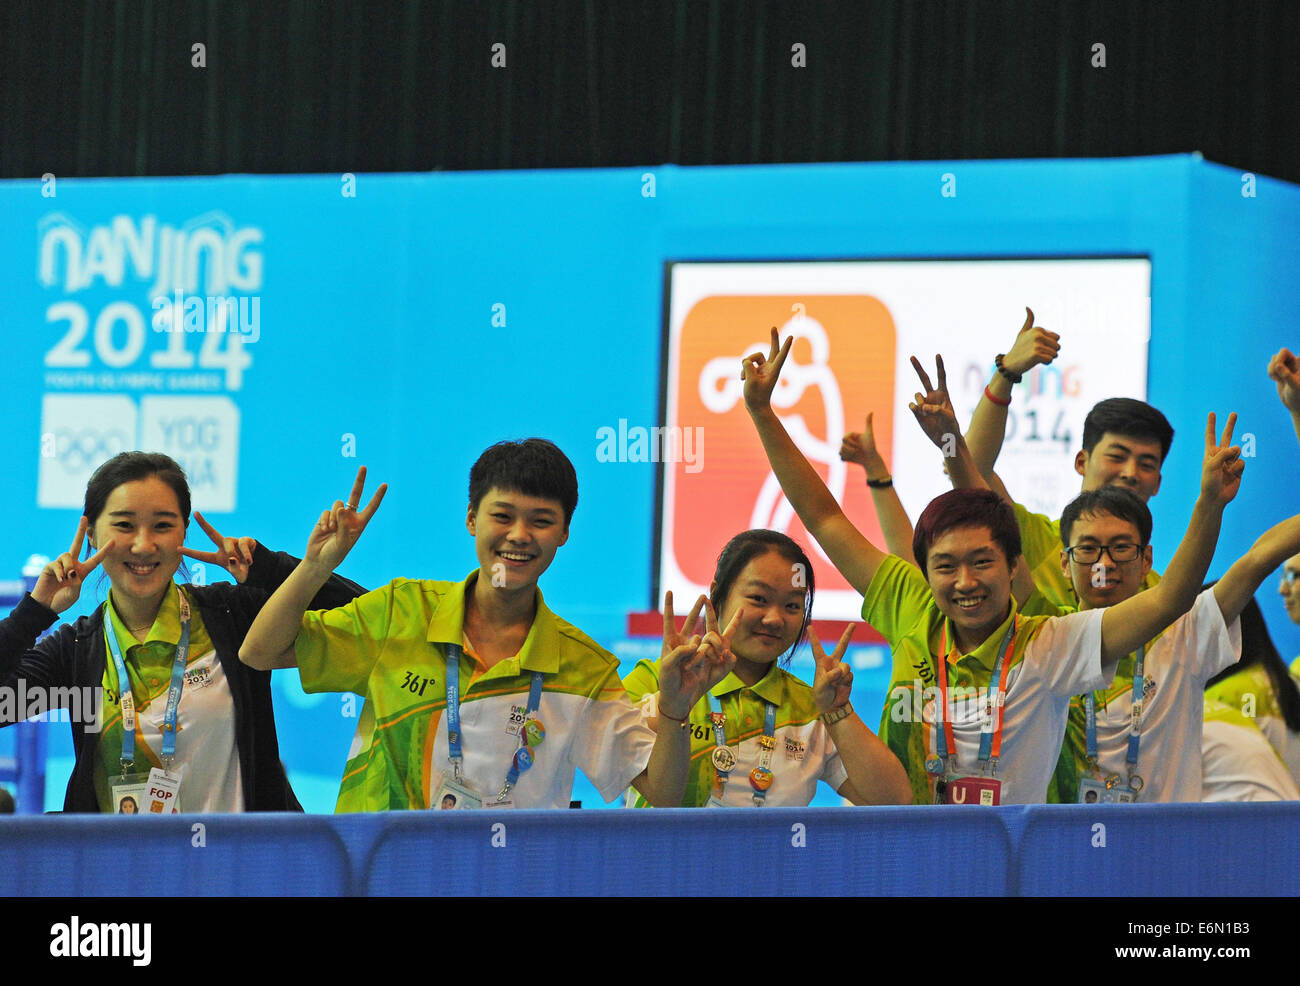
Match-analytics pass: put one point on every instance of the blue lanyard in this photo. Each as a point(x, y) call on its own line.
point(1135, 716)
point(455, 753)
point(126, 699)
point(720, 742)
point(994, 696)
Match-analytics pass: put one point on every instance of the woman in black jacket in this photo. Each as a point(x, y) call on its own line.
point(204, 727)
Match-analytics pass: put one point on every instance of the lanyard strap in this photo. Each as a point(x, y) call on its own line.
point(522, 750)
point(1135, 716)
point(126, 698)
point(719, 741)
point(455, 750)
point(765, 747)
point(990, 734)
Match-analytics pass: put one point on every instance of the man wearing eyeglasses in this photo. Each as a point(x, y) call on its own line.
point(1140, 739)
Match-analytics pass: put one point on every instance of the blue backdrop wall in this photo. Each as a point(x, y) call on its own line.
point(407, 321)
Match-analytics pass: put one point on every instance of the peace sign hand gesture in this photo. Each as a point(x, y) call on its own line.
point(933, 409)
point(59, 584)
point(339, 527)
point(761, 373)
point(1222, 467)
point(832, 679)
point(696, 664)
point(235, 555)
point(673, 637)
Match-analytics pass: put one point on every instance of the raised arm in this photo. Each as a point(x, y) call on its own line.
point(1284, 370)
point(1034, 346)
point(875, 775)
point(1271, 549)
point(1133, 622)
point(860, 447)
point(257, 566)
point(269, 642)
point(934, 413)
point(853, 555)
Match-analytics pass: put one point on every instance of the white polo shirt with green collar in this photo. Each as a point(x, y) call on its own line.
point(390, 646)
point(1238, 763)
point(804, 751)
point(1052, 659)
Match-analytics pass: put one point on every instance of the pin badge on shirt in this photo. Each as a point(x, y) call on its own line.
point(723, 759)
point(534, 732)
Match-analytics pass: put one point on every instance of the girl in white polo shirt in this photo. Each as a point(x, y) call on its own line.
point(761, 736)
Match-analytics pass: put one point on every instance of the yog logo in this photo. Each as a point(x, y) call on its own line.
point(840, 367)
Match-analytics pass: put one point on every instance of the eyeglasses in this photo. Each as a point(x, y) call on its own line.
point(1090, 554)
point(1289, 575)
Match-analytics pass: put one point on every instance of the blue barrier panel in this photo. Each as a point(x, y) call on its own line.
point(237, 855)
point(729, 852)
point(1160, 850)
point(1058, 850)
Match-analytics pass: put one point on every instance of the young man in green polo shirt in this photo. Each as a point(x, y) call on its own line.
point(991, 729)
point(476, 694)
point(1125, 443)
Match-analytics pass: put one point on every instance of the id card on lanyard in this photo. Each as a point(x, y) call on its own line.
point(1113, 788)
point(157, 791)
point(951, 785)
point(724, 760)
point(455, 792)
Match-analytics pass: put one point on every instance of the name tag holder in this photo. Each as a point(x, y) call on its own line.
point(952, 786)
point(1113, 789)
point(156, 791)
point(456, 791)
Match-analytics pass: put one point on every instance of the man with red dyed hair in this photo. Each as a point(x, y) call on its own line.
point(978, 702)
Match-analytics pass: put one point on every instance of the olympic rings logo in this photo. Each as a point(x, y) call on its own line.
point(78, 451)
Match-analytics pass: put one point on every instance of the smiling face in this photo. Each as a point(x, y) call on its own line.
point(1117, 460)
point(774, 612)
point(1291, 590)
point(515, 537)
point(1106, 581)
point(970, 577)
point(142, 519)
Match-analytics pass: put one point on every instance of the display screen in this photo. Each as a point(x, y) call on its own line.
point(856, 324)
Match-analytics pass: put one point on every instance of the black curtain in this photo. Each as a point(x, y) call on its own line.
point(110, 88)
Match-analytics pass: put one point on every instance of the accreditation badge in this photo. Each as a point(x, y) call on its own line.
point(163, 791)
point(452, 795)
point(155, 793)
point(973, 791)
point(1094, 792)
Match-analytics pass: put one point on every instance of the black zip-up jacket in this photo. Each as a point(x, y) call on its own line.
point(74, 656)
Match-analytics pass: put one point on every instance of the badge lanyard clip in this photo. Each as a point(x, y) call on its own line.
point(724, 761)
point(990, 738)
point(523, 756)
point(126, 698)
point(1135, 728)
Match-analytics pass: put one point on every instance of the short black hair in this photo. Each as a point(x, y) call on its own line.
point(966, 508)
point(531, 466)
point(1128, 417)
point(1113, 500)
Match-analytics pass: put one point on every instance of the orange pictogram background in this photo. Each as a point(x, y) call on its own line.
point(710, 505)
